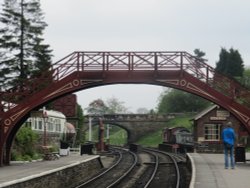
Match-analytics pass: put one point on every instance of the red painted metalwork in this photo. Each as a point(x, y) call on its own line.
point(101, 135)
point(81, 70)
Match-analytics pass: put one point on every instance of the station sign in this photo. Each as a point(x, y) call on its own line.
point(218, 118)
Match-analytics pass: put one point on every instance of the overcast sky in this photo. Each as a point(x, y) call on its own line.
point(126, 25)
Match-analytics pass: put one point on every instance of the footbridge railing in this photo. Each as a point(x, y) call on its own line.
point(126, 61)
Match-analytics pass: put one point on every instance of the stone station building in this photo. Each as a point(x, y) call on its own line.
point(208, 126)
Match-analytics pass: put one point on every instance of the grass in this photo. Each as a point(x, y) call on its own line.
point(118, 138)
point(182, 121)
point(155, 138)
point(151, 140)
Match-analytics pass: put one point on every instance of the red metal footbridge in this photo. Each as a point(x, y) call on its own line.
point(82, 70)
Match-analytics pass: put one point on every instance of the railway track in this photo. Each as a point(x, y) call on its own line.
point(112, 176)
point(151, 164)
point(166, 171)
point(148, 168)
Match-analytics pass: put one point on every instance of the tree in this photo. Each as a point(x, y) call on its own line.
point(199, 58)
point(179, 101)
point(115, 106)
point(142, 110)
point(246, 78)
point(97, 107)
point(236, 64)
point(24, 144)
point(230, 63)
point(23, 54)
point(80, 134)
point(198, 53)
point(111, 106)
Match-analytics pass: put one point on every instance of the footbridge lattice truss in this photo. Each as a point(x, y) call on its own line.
point(82, 70)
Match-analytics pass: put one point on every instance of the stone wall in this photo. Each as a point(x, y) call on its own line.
point(136, 130)
point(65, 177)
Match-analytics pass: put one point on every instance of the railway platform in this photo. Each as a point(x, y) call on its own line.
point(209, 172)
point(23, 171)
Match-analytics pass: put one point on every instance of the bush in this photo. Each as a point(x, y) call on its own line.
point(26, 158)
point(24, 145)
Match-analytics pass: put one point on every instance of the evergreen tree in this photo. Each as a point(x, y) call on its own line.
point(230, 63)
point(222, 64)
point(23, 54)
point(236, 64)
point(198, 53)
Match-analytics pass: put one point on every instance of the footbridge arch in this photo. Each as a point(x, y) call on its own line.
point(83, 70)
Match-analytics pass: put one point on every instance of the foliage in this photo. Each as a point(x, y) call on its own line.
point(115, 106)
point(25, 142)
point(143, 111)
point(155, 138)
point(111, 106)
point(198, 53)
point(80, 137)
point(118, 137)
point(182, 121)
point(230, 63)
point(178, 101)
point(245, 79)
point(23, 52)
point(97, 107)
point(151, 140)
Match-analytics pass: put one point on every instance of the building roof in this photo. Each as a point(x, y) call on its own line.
point(204, 112)
point(53, 113)
point(50, 113)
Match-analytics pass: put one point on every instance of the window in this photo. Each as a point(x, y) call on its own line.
point(40, 124)
point(34, 126)
point(58, 125)
point(50, 126)
point(212, 132)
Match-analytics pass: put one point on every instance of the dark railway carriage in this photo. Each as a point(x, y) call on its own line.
point(177, 139)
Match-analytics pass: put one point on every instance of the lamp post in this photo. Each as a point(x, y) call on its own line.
point(101, 134)
point(45, 120)
point(108, 133)
point(90, 128)
point(95, 111)
point(90, 123)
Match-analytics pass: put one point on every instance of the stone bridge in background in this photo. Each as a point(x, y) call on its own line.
point(136, 125)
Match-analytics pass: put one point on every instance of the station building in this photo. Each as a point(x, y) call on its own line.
point(208, 126)
point(55, 125)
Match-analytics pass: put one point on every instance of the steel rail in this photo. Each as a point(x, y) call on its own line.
point(127, 172)
point(155, 168)
point(174, 162)
point(117, 181)
point(104, 172)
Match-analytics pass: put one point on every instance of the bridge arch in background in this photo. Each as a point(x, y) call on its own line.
point(120, 125)
point(83, 70)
